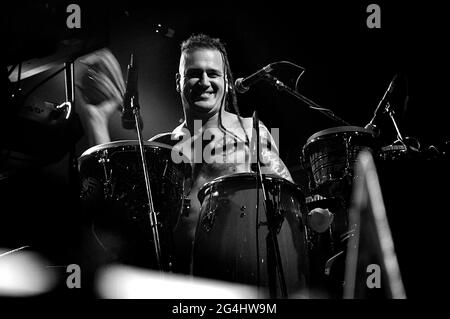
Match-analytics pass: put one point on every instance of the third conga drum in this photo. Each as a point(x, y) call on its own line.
point(232, 241)
point(114, 195)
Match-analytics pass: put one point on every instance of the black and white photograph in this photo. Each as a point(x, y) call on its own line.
point(224, 156)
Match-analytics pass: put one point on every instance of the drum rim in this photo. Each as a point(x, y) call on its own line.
point(94, 149)
point(339, 129)
point(202, 191)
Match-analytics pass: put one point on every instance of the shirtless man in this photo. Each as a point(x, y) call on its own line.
point(205, 84)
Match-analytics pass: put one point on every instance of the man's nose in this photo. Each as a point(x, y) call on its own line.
point(204, 79)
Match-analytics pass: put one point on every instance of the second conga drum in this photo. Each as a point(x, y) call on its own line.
point(232, 241)
point(330, 156)
point(114, 196)
point(332, 153)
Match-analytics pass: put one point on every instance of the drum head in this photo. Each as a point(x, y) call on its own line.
point(247, 178)
point(339, 130)
point(114, 196)
point(126, 145)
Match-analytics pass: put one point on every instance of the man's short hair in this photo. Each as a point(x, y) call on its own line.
point(203, 41)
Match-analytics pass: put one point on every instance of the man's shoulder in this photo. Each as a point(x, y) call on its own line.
point(231, 120)
point(169, 138)
point(234, 120)
point(165, 138)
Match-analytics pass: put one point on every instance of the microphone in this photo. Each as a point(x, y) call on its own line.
point(243, 84)
point(131, 97)
point(381, 105)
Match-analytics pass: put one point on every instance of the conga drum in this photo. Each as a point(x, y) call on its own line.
point(330, 156)
point(114, 195)
point(233, 242)
point(332, 153)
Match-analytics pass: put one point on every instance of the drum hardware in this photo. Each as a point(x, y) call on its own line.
point(260, 224)
point(186, 206)
point(330, 262)
point(345, 238)
point(208, 221)
point(107, 185)
point(165, 168)
point(243, 214)
point(348, 167)
point(347, 235)
point(412, 149)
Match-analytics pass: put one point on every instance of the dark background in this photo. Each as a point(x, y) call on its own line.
point(348, 68)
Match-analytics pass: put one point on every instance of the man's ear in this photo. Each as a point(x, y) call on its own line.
point(177, 81)
point(227, 85)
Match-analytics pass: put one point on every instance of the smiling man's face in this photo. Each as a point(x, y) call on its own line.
point(201, 81)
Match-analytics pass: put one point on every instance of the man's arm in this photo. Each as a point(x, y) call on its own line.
point(270, 156)
point(100, 90)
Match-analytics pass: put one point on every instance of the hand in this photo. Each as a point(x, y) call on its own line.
point(101, 80)
point(101, 87)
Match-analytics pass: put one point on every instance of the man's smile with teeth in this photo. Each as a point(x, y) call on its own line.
point(204, 94)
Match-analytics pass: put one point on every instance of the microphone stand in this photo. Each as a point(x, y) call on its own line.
point(269, 216)
point(134, 105)
point(69, 90)
point(282, 87)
